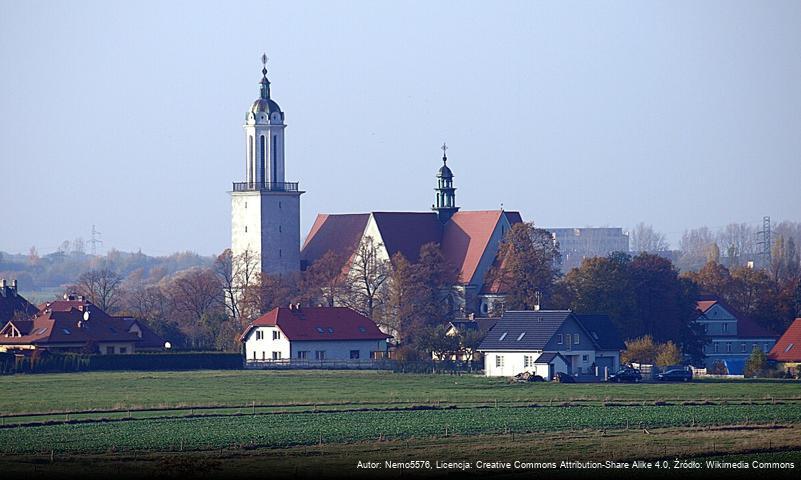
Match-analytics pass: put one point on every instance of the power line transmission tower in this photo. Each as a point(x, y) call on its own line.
point(95, 240)
point(764, 241)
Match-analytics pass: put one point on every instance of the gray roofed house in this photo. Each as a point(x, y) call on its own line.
point(526, 340)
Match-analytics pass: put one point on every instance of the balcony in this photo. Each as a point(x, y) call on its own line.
point(265, 186)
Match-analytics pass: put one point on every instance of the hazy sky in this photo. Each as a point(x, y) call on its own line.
point(129, 115)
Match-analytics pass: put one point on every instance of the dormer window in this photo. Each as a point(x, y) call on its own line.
point(502, 336)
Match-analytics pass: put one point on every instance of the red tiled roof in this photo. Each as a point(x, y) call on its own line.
point(463, 240)
point(406, 232)
point(746, 326)
point(337, 233)
point(319, 323)
point(788, 347)
point(58, 322)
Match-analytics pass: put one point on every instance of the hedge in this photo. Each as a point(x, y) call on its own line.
point(46, 362)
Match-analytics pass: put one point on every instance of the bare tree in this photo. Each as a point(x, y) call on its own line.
point(195, 292)
point(737, 241)
point(326, 280)
point(368, 275)
point(645, 239)
point(101, 287)
point(695, 245)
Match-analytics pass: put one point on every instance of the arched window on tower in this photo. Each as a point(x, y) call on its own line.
point(263, 149)
point(251, 161)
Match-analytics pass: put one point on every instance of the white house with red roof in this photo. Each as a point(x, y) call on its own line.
point(731, 335)
point(301, 335)
point(469, 240)
point(75, 325)
point(787, 350)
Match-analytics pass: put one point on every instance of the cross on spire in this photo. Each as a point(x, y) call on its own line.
point(444, 148)
point(264, 59)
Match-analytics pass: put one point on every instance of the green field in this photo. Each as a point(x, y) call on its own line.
point(146, 420)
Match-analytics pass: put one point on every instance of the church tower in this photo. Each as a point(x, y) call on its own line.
point(265, 209)
point(445, 205)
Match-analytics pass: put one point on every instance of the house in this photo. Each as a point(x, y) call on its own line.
point(731, 335)
point(545, 342)
point(787, 350)
point(12, 304)
point(299, 335)
point(77, 325)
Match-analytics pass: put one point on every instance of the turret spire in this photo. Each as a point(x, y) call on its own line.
point(445, 204)
point(265, 84)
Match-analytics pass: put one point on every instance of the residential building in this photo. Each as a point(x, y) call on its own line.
point(265, 208)
point(787, 350)
point(576, 244)
point(316, 334)
point(545, 342)
point(12, 304)
point(77, 325)
point(731, 335)
point(469, 240)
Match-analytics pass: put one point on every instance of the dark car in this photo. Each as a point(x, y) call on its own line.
point(562, 377)
point(627, 375)
point(675, 375)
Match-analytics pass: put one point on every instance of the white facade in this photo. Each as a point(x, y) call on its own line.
point(510, 363)
point(270, 344)
point(265, 209)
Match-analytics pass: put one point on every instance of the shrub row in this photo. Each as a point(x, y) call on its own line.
point(72, 362)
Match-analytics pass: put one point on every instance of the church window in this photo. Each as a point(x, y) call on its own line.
point(246, 229)
point(274, 173)
point(251, 161)
point(279, 253)
point(263, 149)
point(280, 230)
point(279, 205)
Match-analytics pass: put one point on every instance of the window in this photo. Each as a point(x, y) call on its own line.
point(262, 158)
point(724, 327)
point(362, 330)
point(254, 354)
point(330, 330)
point(528, 361)
point(319, 355)
point(123, 350)
point(276, 355)
point(276, 335)
point(66, 331)
point(280, 229)
point(303, 354)
point(585, 358)
point(275, 162)
point(354, 354)
point(716, 346)
point(568, 340)
point(264, 355)
point(576, 339)
point(789, 347)
point(728, 347)
point(320, 330)
point(259, 335)
point(499, 361)
point(742, 347)
point(109, 350)
point(246, 229)
point(559, 338)
point(520, 337)
point(503, 335)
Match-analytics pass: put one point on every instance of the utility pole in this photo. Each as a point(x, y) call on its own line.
point(95, 240)
point(764, 241)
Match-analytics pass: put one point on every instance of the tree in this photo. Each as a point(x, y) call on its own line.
point(367, 276)
point(713, 253)
point(641, 350)
point(101, 287)
point(737, 240)
point(527, 266)
point(694, 246)
point(645, 239)
point(719, 368)
point(224, 269)
point(326, 279)
point(757, 363)
point(668, 354)
point(269, 292)
point(433, 340)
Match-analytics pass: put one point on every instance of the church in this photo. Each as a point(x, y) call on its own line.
point(266, 218)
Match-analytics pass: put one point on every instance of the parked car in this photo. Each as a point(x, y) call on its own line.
point(627, 375)
point(675, 375)
point(562, 377)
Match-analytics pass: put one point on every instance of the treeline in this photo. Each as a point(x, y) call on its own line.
point(35, 272)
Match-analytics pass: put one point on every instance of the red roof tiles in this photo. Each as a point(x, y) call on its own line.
point(319, 323)
point(788, 347)
point(746, 326)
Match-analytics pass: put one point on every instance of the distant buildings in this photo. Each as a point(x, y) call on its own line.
point(731, 335)
point(76, 325)
point(544, 342)
point(300, 335)
point(576, 244)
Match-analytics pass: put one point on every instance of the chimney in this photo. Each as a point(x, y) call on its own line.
point(297, 306)
point(14, 286)
point(4, 283)
point(291, 307)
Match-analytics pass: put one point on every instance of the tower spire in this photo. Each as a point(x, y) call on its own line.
point(265, 84)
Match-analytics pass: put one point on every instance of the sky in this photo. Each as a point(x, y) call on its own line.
point(128, 115)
